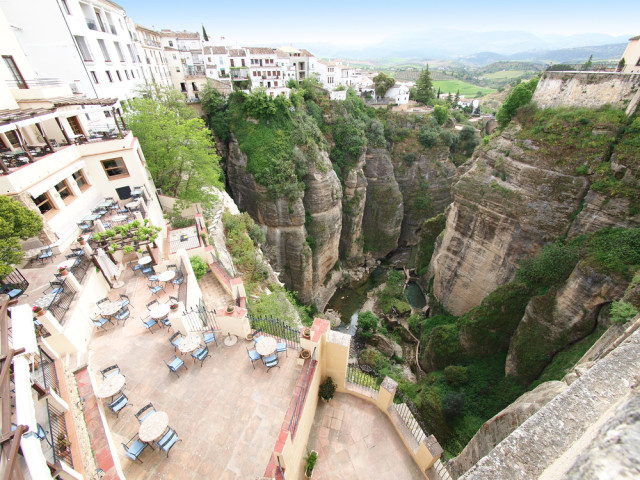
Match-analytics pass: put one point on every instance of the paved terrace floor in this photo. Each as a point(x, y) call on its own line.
point(355, 440)
point(227, 414)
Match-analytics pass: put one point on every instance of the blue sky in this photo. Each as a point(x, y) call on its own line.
point(251, 22)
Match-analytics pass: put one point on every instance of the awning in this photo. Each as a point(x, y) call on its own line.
point(55, 178)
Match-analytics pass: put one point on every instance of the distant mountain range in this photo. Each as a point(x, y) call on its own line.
point(482, 47)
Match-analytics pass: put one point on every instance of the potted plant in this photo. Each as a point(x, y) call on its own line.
point(310, 463)
point(81, 240)
point(306, 332)
point(39, 311)
point(305, 354)
point(230, 308)
point(174, 306)
point(327, 389)
point(63, 443)
point(63, 270)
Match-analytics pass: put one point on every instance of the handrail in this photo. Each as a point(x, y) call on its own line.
point(302, 396)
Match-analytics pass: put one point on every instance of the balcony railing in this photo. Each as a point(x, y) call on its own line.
point(152, 43)
point(302, 396)
point(58, 438)
point(276, 328)
point(92, 25)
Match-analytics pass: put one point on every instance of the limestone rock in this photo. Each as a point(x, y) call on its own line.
point(353, 201)
point(494, 430)
point(385, 345)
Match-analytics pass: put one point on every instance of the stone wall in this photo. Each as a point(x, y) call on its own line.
point(586, 89)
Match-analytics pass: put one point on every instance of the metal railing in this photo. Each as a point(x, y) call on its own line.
point(35, 82)
point(12, 281)
point(410, 415)
point(199, 319)
point(358, 377)
point(276, 328)
point(302, 396)
point(58, 437)
point(280, 469)
point(46, 374)
point(62, 301)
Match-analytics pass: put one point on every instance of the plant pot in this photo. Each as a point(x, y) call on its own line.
point(174, 306)
point(306, 333)
point(41, 313)
point(81, 241)
point(231, 308)
point(305, 354)
point(309, 473)
point(63, 272)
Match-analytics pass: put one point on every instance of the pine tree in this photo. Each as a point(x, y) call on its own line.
point(438, 96)
point(204, 34)
point(424, 87)
point(457, 99)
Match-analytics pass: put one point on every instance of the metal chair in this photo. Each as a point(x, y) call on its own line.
point(134, 450)
point(135, 266)
point(55, 287)
point(257, 335)
point(110, 371)
point(118, 404)
point(282, 347)
point(271, 361)
point(123, 315)
point(102, 300)
point(174, 364)
point(45, 254)
point(125, 300)
point(41, 434)
point(209, 336)
point(100, 322)
point(155, 289)
point(253, 356)
point(151, 304)
point(168, 440)
point(201, 354)
point(166, 322)
point(175, 340)
point(178, 280)
point(149, 322)
point(144, 412)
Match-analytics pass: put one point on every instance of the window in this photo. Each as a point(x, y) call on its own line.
point(126, 74)
point(638, 62)
point(74, 123)
point(44, 203)
point(232, 65)
point(195, 87)
point(65, 7)
point(242, 60)
point(109, 76)
point(170, 43)
point(275, 84)
point(114, 168)
point(119, 50)
point(133, 57)
point(13, 138)
point(177, 70)
point(183, 87)
point(64, 191)
point(15, 72)
point(105, 52)
point(132, 74)
point(118, 74)
point(94, 77)
point(100, 22)
point(84, 48)
point(174, 57)
point(80, 179)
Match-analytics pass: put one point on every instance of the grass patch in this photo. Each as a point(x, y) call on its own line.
point(465, 88)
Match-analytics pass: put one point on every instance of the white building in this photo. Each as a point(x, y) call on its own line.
point(264, 68)
point(217, 64)
point(151, 56)
point(86, 45)
point(300, 59)
point(186, 62)
point(632, 56)
point(399, 94)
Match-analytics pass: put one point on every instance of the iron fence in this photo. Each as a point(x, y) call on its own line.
point(46, 374)
point(302, 396)
point(14, 281)
point(57, 437)
point(410, 415)
point(276, 328)
point(62, 301)
point(358, 377)
point(199, 319)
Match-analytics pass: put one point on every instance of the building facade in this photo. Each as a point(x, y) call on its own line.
point(632, 56)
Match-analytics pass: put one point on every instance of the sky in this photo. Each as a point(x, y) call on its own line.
point(350, 24)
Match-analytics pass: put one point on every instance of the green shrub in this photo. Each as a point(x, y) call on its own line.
point(367, 324)
point(441, 114)
point(519, 96)
point(551, 266)
point(199, 266)
point(582, 170)
point(622, 312)
point(452, 404)
point(457, 375)
point(327, 389)
point(428, 137)
point(257, 234)
point(449, 138)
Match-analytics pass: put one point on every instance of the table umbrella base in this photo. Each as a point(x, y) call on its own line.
point(230, 340)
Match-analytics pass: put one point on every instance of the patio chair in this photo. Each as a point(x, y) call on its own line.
point(282, 347)
point(168, 440)
point(257, 335)
point(125, 300)
point(102, 300)
point(106, 224)
point(123, 314)
point(178, 280)
point(151, 304)
point(166, 322)
point(134, 450)
point(201, 354)
point(147, 271)
point(209, 336)
point(100, 322)
point(153, 278)
point(271, 361)
point(253, 356)
point(45, 254)
point(55, 287)
point(175, 340)
point(172, 300)
point(114, 206)
point(172, 266)
point(123, 210)
point(144, 412)
point(110, 371)
point(85, 227)
point(155, 289)
point(174, 364)
point(135, 266)
point(149, 322)
point(118, 404)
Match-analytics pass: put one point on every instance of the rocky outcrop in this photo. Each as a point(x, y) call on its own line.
point(353, 202)
point(506, 206)
point(384, 209)
point(301, 267)
point(424, 179)
point(496, 429)
point(559, 318)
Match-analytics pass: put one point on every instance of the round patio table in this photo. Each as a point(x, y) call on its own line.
point(110, 308)
point(153, 426)
point(133, 204)
point(190, 343)
point(110, 386)
point(266, 346)
point(167, 276)
point(45, 301)
point(119, 218)
point(144, 260)
point(159, 311)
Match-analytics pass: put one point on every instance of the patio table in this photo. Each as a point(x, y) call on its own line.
point(119, 218)
point(111, 386)
point(159, 311)
point(105, 204)
point(153, 426)
point(266, 346)
point(144, 260)
point(167, 276)
point(91, 218)
point(45, 301)
point(190, 343)
point(110, 308)
point(133, 204)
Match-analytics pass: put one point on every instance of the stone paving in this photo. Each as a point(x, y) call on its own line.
point(355, 440)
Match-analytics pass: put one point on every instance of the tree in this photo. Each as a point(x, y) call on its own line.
point(16, 222)
point(457, 98)
point(519, 96)
point(588, 64)
point(178, 146)
point(383, 83)
point(204, 34)
point(215, 106)
point(424, 87)
point(438, 95)
point(621, 65)
point(441, 114)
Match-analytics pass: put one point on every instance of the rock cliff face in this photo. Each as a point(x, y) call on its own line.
point(506, 206)
point(301, 267)
point(353, 202)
